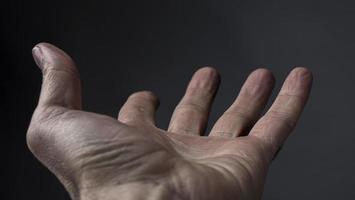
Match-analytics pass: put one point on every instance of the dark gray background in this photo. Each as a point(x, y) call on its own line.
point(122, 47)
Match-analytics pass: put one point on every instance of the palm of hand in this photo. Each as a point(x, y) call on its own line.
point(96, 155)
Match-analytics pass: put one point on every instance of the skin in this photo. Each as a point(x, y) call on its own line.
point(99, 157)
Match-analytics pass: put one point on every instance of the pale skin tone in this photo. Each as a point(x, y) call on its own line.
point(100, 157)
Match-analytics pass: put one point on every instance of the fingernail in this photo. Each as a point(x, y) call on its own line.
point(37, 56)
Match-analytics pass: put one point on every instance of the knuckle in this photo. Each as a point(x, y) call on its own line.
point(51, 70)
point(284, 117)
point(238, 112)
point(188, 105)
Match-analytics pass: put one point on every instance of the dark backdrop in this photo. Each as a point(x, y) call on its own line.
point(125, 46)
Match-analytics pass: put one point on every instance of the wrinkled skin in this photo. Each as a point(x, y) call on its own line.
point(99, 157)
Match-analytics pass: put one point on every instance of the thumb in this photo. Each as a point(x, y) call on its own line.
point(61, 82)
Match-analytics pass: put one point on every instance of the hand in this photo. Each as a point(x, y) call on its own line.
point(99, 157)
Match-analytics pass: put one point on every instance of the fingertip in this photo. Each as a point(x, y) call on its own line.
point(208, 73)
point(207, 69)
point(37, 56)
point(147, 95)
point(42, 44)
point(263, 70)
point(298, 82)
point(45, 45)
point(52, 52)
point(265, 73)
point(262, 75)
point(302, 73)
point(48, 56)
point(205, 78)
point(139, 107)
point(41, 47)
point(301, 68)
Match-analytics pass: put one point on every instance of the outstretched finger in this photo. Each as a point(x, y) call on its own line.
point(139, 108)
point(191, 114)
point(278, 122)
point(246, 109)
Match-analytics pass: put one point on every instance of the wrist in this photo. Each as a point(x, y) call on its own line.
point(129, 191)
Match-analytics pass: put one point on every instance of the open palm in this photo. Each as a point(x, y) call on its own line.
point(99, 157)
